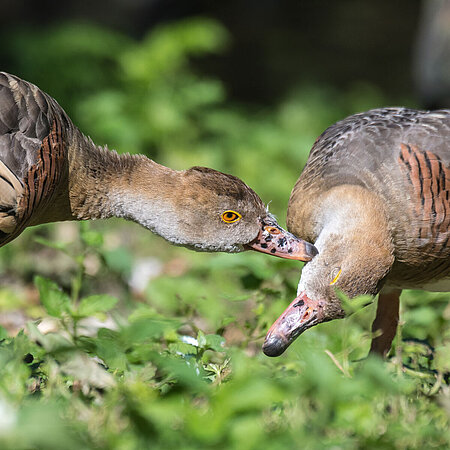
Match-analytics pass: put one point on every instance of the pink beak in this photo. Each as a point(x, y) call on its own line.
point(300, 315)
point(272, 239)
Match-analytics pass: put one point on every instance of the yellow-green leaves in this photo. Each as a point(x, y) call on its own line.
point(96, 303)
point(55, 301)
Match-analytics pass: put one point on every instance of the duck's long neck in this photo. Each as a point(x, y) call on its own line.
point(104, 184)
point(353, 229)
point(352, 212)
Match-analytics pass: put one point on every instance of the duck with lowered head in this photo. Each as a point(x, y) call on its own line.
point(374, 197)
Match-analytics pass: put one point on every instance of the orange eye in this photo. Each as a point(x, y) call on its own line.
point(230, 216)
point(272, 230)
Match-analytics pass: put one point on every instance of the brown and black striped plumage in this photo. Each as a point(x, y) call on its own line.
point(31, 152)
point(374, 197)
point(429, 182)
point(49, 171)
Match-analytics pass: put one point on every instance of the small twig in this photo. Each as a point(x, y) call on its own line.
point(415, 373)
point(338, 364)
point(435, 388)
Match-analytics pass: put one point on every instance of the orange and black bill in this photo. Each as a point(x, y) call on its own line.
point(272, 239)
point(301, 314)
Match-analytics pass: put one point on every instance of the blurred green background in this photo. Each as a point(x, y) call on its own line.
point(130, 343)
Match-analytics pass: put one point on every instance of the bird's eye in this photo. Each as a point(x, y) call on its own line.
point(335, 274)
point(272, 230)
point(230, 216)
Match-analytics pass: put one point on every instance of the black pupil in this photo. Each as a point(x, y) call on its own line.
point(230, 216)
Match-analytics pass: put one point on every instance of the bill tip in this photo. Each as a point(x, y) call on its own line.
point(311, 250)
point(273, 346)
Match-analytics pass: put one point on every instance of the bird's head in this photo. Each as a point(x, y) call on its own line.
point(353, 266)
point(213, 211)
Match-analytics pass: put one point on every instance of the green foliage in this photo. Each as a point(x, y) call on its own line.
point(55, 302)
point(183, 379)
point(102, 362)
point(94, 304)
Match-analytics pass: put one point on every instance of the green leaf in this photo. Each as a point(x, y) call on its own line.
point(353, 305)
point(3, 333)
point(56, 245)
point(443, 357)
point(143, 330)
point(215, 342)
point(227, 320)
point(85, 369)
point(51, 342)
point(90, 237)
point(41, 426)
point(210, 341)
point(96, 303)
point(201, 339)
point(119, 259)
point(238, 298)
point(55, 301)
point(182, 349)
point(188, 375)
point(111, 355)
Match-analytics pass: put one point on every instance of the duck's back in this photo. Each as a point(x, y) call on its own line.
point(370, 143)
point(32, 131)
point(401, 155)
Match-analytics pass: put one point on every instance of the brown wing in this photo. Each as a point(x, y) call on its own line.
point(32, 129)
point(363, 150)
point(429, 181)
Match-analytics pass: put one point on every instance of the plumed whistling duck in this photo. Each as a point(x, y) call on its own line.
point(49, 171)
point(374, 198)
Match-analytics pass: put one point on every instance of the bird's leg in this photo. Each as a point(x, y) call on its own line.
point(385, 321)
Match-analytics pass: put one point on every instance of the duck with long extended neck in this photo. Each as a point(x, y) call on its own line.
point(49, 171)
point(374, 197)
